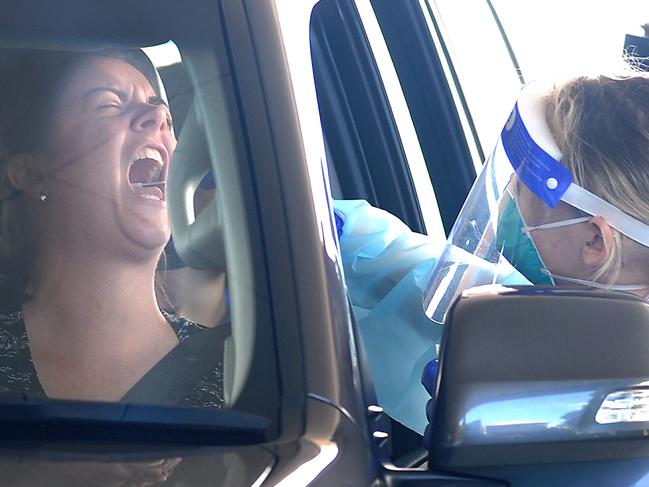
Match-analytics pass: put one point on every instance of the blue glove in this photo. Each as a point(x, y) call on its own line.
point(340, 223)
point(428, 379)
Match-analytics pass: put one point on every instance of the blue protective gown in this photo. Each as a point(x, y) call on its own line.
point(386, 269)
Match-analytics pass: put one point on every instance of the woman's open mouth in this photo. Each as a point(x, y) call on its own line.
point(146, 174)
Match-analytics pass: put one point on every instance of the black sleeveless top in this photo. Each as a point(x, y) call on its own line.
point(18, 375)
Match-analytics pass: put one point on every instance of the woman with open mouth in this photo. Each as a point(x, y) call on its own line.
point(85, 145)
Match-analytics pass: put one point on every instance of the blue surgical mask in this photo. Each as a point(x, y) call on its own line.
point(516, 246)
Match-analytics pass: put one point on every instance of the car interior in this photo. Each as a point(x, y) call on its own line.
point(194, 230)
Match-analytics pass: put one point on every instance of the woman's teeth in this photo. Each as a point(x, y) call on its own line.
point(149, 153)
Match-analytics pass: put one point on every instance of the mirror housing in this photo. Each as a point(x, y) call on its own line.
point(531, 375)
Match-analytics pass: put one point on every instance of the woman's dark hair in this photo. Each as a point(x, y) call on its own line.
point(30, 83)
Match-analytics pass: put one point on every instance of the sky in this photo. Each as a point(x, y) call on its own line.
point(566, 37)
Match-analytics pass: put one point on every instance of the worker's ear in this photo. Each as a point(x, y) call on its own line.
point(24, 172)
point(598, 245)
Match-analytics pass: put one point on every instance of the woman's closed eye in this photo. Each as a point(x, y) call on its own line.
point(109, 104)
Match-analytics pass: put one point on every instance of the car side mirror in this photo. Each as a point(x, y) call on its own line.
point(540, 376)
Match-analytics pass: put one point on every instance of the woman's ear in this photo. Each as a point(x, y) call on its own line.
point(598, 245)
point(24, 174)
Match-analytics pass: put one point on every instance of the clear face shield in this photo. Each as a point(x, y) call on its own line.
point(523, 189)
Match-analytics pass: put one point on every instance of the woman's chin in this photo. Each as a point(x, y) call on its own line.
point(145, 224)
point(149, 237)
point(154, 241)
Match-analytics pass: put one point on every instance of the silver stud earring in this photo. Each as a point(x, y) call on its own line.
point(43, 197)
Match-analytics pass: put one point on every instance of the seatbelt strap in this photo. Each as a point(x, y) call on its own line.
point(173, 378)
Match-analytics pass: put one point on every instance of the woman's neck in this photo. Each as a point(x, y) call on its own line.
point(94, 327)
point(104, 295)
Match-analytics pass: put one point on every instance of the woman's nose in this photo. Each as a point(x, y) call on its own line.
point(150, 117)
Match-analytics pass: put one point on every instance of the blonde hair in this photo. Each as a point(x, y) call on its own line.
point(601, 125)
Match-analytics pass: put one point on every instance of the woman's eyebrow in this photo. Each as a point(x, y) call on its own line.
point(122, 96)
point(156, 100)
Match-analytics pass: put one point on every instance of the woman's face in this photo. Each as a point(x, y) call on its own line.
point(109, 130)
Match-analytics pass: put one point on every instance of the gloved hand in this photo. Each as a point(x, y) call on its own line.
point(429, 379)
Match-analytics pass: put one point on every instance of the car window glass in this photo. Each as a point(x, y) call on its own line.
point(99, 302)
point(420, 178)
point(487, 77)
